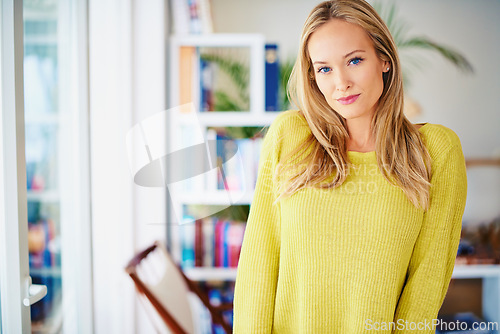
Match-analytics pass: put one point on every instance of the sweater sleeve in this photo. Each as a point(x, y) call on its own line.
point(433, 258)
point(257, 273)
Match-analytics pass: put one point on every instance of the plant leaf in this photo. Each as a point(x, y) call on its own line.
point(224, 102)
point(448, 53)
point(399, 31)
point(238, 72)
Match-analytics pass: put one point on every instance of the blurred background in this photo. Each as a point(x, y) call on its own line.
point(95, 69)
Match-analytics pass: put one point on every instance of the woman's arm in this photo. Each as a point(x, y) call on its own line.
point(259, 259)
point(431, 265)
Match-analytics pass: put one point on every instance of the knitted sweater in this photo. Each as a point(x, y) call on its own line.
point(359, 258)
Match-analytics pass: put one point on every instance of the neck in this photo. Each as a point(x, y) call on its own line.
point(360, 135)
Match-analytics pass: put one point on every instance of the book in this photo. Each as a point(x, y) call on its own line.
point(218, 236)
point(234, 242)
point(246, 147)
point(208, 231)
point(272, 78)
point(212, 242)
point(207, 73)
point(222, 155)
point(194, 19)
point(229, 157)
point(205, 15)
point(180, 17)
point(233, 166)
point(239, 159)
point(43, 251)
point(187, 242)
point(211, 139)
point(225, 244)
point(187, 56)
point(198, 243)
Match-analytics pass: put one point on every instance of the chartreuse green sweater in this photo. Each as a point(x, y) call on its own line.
point(356, 259)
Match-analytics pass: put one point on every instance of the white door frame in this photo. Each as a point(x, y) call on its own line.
point(14, 268)
point(76, 241)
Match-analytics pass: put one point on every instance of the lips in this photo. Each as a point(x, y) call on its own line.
point(348, 99)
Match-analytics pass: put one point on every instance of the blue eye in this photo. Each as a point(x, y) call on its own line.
point(355, 61)
point(324, 69)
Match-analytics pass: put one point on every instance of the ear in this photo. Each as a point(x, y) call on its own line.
point(386, 66)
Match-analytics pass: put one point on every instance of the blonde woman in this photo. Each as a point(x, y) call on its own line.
point(356, 217)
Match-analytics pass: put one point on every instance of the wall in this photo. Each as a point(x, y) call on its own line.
point(111, 196)
point(127, 46)
point(468, 104)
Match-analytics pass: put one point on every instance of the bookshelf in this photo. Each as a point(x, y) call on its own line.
point(490, 276)
point(185, 55)
point(189, 125)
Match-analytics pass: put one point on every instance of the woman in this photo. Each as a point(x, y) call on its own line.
point(356, 217)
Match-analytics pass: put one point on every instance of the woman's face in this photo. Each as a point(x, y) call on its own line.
point(347, 69)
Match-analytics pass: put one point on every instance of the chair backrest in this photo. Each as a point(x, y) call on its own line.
point(160, 280)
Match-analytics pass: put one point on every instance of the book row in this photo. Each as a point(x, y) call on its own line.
point(234, 165)
point(218, 78)
point(211, 242)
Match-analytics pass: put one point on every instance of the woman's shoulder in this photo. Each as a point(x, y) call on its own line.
point(287, 131)
point(439, 139)
point(289, 118)
point(286, 121)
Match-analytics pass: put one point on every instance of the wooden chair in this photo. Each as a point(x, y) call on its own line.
point(158, 278)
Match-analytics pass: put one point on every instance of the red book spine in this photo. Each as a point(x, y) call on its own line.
point(218, 246)
point(234, 243)
point(198, 243)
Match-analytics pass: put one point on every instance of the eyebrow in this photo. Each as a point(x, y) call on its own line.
point(352, 52)
point(347, 55)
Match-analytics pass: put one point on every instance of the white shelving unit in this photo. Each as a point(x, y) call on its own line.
point(211, 274)
point(216, 198)
point(476, 271)
point(191, 121)
point(490, 275)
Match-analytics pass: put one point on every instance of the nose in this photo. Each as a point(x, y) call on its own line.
point(341, 80)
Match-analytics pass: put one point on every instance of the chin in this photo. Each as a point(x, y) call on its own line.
point(351, 115)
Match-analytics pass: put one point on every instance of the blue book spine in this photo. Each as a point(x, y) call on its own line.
point(272, 78)
point(206, 85)
point(225, 251)
point(220, 147)
point(187, 242)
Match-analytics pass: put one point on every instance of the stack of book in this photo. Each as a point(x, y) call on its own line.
point(211, 242)
point(218, 78)
point(41, 236)
point(45, 264)
point(238, 158)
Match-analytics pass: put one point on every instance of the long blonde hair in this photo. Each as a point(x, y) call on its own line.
point(401, 154)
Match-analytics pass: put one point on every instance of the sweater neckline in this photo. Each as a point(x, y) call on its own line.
point(371, 155)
